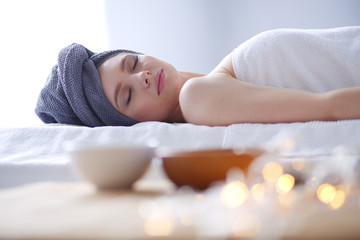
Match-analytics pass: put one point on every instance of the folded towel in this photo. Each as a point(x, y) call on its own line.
point(73, 92)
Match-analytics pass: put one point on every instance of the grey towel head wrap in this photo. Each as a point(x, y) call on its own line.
point(73, 93)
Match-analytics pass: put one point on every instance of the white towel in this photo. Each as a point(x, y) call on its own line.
point(314, 60)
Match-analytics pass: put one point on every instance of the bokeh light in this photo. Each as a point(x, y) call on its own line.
point(344, 187)
point(234, 194)
point(338, 200)
point(285, 183)
point(272, 171)
point(326, 193)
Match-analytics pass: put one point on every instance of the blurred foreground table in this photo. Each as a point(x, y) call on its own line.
point(79, 211)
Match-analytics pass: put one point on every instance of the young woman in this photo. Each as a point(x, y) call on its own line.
point(284, 75)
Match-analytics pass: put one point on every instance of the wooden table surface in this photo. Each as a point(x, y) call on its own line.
point(79, 211)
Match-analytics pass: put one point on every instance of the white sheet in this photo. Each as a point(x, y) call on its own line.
point(31, 154)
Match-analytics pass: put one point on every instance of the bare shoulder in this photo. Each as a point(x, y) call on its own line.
point(198, 92)
point(193, 99)
point(200, 97)
point(225, 66)
point(190, 98)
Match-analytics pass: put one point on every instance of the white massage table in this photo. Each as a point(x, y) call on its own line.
point(31, 154)
point(37, 154)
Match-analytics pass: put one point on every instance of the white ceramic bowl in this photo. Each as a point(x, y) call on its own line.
point(111, 167)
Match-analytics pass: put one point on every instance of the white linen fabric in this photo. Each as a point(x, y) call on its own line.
point(32, 154)
point(317, 60)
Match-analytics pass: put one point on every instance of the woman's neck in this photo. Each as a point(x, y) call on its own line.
point(185, 76)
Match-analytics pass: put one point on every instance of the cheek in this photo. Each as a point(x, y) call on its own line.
point(145, 114)
point(148, 108)
point(149, 111)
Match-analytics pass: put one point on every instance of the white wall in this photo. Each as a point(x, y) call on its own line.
point(194, 35)
point(31, 35)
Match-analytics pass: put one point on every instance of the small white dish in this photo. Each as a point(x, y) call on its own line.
point(111, 166)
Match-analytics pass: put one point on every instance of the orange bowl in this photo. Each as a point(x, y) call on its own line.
point(199, 169)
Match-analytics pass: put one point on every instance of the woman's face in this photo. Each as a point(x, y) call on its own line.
point(141, 87)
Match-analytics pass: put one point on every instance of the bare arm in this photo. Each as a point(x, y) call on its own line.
point(219, 100)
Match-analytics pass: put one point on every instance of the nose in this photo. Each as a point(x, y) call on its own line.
point(145, 78)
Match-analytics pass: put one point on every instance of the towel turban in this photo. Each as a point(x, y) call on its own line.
point(73, 93)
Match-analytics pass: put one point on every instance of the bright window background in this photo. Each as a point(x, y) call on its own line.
point(31, 35)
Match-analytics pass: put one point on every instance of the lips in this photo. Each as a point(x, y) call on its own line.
point(160, 81)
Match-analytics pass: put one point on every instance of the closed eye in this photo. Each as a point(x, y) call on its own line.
point(136, 61)
point(129, 97)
